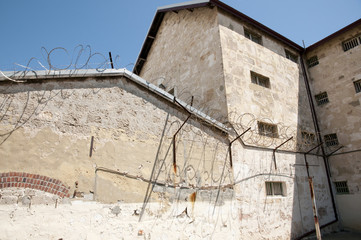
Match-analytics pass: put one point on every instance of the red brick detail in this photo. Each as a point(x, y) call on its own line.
point(34, 181)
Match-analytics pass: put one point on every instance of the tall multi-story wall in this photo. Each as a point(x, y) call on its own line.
point(335, 76)
point(260, 86)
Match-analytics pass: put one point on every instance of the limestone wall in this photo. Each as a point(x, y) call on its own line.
point(46, 129)
point(335, 74)
point(186, 55)
point(284, 103)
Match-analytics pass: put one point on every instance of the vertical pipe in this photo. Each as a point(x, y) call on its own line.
point(317, 128)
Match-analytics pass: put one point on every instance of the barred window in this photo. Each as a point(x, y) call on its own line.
point(253, 36)
point(267, 129)
point(321, 98)
point(260, 80)
point(357, 85)
point(312, 61)
point(291, 56)
point(307, 137)
point(341, 187)
point(274, 189)
point(351, 43)
point(331, 140)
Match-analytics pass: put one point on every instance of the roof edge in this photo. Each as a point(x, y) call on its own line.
point(159, 15)
point(334, 35)
point(21, 77)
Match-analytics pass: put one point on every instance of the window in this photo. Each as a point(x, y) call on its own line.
point(331, 140)
point(307, 137)
point(267, 129)
point(312, 61)
point(253, 36)
point(351, 43)
point(274, 189)
point(341, 187)
point(260, 80)
point(321, 98)
point(357, 85)
point(291, 56)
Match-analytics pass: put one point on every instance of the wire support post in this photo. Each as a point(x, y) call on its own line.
point(274, 151)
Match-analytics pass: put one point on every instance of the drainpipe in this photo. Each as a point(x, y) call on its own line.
point(324, 156)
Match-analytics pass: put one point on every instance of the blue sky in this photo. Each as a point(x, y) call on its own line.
point(121, 26)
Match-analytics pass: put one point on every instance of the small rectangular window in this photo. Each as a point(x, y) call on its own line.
point(357, 85)
point(260, 80)
point(341, 187)
point(253, 36)
point(351, 43)
point(331, 140)
point(267, 129)
point(321, 98)
point(291, 56)
point(308, 138)
point(274, 189)
point(312, 61)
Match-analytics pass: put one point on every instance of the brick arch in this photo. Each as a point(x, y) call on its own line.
point(34, 181)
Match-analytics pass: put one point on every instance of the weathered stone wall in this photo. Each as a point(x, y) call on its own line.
point(335, 74)
point(285, 103)
point(186, 55)
point(46, 129)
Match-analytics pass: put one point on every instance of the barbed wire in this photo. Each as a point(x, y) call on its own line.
point(82, 57)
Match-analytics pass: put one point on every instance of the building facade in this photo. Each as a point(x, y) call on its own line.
point(215, 134)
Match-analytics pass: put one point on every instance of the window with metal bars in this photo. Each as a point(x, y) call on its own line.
point(341, 187)
point(331, 140)
point(291, 56)
point(312, 61)
point(321, 98)
point(260, 80)
point(274, 189)
point(253, 36)
point(307, 137)
point(351, 43)
point(267, 129)
point(357, 85)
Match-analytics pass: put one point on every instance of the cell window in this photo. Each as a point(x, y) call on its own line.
point(308, 138)
point(291, 56)
point(331, 140)
point(351, 43)
point(253, 36)
point(341, 187)
point(321, 98)
point(260, 80)
point(312, 61)
point(357, 85)
point(274, 189)
point(267, 129)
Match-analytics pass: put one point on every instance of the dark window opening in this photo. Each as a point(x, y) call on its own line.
point(321, 98)
point(341, 187)
point(267, 129)
point(357, 85)
point(349, 44)
point(260, 80)
point(331, 140)
point(253, 36)
point(307, 137)
point(274, 189)
point(312, 61)
point(291, 56)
